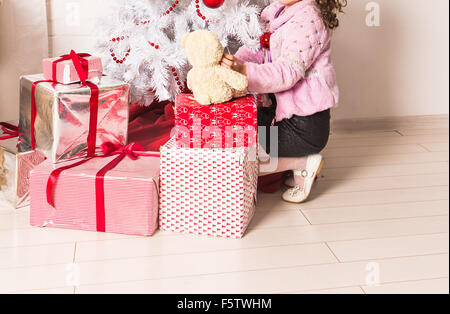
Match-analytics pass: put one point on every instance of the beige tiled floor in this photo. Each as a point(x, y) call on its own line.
point(377, 222)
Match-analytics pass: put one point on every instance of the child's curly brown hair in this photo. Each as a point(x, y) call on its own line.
point(330, 10)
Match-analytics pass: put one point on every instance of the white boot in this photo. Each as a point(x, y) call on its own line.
point(297, 194)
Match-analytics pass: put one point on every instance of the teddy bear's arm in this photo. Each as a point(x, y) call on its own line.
point(235, 80)
point(189, 80)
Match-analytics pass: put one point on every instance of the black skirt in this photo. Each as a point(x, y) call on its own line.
point(297, 136)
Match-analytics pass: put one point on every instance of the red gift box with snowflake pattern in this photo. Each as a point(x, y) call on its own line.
point(227, 125)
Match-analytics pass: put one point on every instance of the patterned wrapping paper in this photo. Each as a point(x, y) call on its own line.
point(15, 171)
point(208, 191)
point(62, 122)
point(66, 72)
point(131, 196)
point(232, 124)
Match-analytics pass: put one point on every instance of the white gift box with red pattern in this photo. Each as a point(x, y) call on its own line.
point(208, 191)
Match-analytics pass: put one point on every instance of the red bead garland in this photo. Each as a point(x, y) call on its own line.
point(177, 79)
point(174, 5)
point(113, 53)
point(168, 11)
point(143, 22)
point(154, 45)
point(118, 39)
point(199, 13)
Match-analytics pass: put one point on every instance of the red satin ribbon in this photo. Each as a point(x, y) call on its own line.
point(82, 68)
point(132, 151)
point(10, 130)
point(93, 119)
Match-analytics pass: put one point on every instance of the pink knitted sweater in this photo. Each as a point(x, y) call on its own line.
point(298, 67)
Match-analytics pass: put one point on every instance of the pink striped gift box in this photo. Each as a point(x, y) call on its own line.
point(66, 72)
point(131, 196)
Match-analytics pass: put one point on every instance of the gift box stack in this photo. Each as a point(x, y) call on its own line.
point(74, 162)
point(72, 158)
point(209, 169)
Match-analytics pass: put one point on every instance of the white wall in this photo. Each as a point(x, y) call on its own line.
point(21, 23)
point(400, 68)
point(72, 23)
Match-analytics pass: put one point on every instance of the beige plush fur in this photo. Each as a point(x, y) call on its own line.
point(210, 82)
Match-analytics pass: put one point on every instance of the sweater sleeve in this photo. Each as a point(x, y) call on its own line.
point(245, 54)
point(300, 44)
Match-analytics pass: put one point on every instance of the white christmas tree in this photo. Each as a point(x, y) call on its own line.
point(140, 40)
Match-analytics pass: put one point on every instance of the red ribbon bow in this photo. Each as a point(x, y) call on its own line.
point(132, 151)
point(10, 130)
point(265, 40)
point(80, 63)
point(82, 68)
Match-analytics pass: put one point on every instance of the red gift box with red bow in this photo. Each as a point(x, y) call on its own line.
point(227, 125)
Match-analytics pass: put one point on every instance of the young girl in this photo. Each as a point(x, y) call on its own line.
point(294, 63)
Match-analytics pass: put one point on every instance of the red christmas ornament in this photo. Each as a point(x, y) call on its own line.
point(265, 40)
point(213, 4)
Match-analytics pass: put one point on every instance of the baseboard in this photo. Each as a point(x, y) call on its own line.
point(392, 123)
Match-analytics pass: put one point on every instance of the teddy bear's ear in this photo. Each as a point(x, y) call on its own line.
point(184, 39)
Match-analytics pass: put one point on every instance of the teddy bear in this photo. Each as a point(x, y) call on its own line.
point(209, 81)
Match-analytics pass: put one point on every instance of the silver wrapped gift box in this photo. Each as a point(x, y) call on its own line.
point(15, 171)
point(63, 115)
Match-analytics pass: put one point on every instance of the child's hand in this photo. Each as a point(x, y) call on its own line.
point(230, 62)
